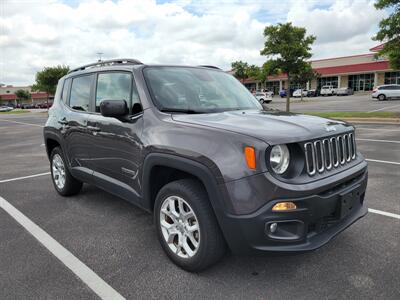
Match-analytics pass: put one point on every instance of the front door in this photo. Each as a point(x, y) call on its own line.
point(115, 156)
point(361, 85)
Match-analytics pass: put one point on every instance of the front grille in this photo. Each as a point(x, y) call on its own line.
point(329, 153)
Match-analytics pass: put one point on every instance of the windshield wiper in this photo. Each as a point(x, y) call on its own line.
point(182, 110)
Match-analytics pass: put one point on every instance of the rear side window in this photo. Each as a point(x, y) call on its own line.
point(113, 86)
point(80, 93)
point(65, 90)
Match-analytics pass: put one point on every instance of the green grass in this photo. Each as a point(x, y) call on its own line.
point(14, 112)
point(338, 115)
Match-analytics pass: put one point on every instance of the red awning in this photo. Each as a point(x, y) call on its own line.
point(8, 97)
point(357, 68)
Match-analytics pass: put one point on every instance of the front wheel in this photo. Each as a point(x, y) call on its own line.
point(186, 225)
point(63, 181)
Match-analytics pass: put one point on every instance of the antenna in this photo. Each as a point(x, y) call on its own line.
point(99, 54)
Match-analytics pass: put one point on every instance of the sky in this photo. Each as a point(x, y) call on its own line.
point(39, 33)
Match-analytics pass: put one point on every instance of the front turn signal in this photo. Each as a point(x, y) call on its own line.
point(282, 206)
point(250, 155)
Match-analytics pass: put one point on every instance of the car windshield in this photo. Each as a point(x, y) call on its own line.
point(196, 90)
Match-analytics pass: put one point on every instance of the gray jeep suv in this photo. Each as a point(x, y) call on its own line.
point(192, 146)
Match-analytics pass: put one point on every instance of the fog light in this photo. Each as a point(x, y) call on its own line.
point(282, 206)
point(272, 227)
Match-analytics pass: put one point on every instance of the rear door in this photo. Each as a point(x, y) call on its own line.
point(117, 155)
point(74, 122)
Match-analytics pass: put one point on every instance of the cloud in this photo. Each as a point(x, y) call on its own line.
point(35, 34)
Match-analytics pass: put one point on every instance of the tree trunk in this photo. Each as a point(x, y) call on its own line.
point(288, 95)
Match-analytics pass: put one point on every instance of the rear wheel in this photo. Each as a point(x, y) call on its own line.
point(186, 225)
point(63, 181)
point(381, 97)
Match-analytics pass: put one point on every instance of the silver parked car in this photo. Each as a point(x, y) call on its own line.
point(5, 108)
point(344, 91)
point(386, 92)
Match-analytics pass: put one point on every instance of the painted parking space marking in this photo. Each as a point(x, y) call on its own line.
point(25, 177)
point(23, 123)
point(383, 108)
point(381, 141)
point(90, 278)
point(384, 213)
point(376, 129)
point(383, 161)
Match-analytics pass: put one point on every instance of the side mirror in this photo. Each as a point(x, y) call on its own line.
point(114, 108)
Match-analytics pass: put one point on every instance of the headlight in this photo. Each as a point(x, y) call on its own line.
point(279, 158)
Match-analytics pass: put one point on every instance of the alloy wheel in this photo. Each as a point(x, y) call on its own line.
point(58, 171)
point(180, 227)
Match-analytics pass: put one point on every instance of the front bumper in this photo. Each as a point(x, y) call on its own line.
point(318, 218)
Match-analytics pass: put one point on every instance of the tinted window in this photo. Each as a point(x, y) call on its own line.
point(113, 86)
point(80, 93)
point(65, 90)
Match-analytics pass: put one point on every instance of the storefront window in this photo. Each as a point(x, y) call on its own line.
point(272, 86)
point(361, 82)
point(392, 77)
point(333, 81)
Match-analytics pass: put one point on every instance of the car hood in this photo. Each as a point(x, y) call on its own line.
point(273, 127)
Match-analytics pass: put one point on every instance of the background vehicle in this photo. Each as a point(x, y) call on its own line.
point(344, 91)
point(327, 90)
point(195, 148)
point(312, 93)
point(298, 93)
point(5, 108)
point(27, 106)
point(386, 92)
point(282, 93)
point(263, 97)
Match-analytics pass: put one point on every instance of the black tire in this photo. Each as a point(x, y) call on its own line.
point(381, 97)
point(212, 246)
point(269, 101)
point(262, 101)
point(72, 186)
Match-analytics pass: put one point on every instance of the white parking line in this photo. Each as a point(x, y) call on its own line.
point(382, 141)
point(94, 282)
point(24, 177)
point(384, 213)
point(383, 108)
point(383, 161)
point(23, 123)
point(376, 129)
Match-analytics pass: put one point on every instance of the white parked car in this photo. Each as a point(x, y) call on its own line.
point(386, 92)
point(263, 97)
point(5, 108)
point(297, 93)
point(328, 90)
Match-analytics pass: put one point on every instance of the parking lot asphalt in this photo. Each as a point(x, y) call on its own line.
point(357, 102)
point(118, 242)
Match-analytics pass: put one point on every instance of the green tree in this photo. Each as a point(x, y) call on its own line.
point(240, 70)
point(23, 95)
point(389, 32)
point(304, 74)
point(287, 47)
point(253, 72)
point(47, 79)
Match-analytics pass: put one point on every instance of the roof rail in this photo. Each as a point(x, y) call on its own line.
point(211, 67)
point(127, 61)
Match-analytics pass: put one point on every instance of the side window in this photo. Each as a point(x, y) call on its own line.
point(80, 93)
point(113, 86)
point(65, 90)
